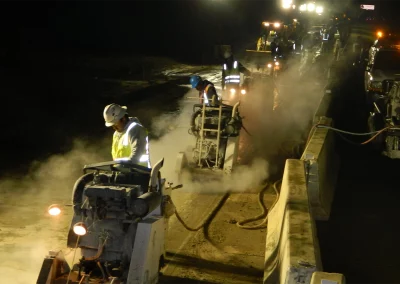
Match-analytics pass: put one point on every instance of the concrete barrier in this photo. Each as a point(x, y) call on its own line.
point(322, 165)
point(327, 278)
point(292, 252)
point(324, 106)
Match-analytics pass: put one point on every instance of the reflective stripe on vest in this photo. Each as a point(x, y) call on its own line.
point(121, 149)
point(205, 93)
point(232, 79)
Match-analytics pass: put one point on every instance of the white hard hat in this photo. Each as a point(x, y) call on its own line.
point(113, 113)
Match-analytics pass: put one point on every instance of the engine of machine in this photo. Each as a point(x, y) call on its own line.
point(106, 211)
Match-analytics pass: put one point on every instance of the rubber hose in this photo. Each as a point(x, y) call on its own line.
point(263, 224)
point(79, 186)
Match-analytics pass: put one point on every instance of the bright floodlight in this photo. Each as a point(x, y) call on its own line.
point(269, 65)
point(319, 10)
point(243, 91)
point(80, 229)
point(310, 7)
point(233, 91)
point(54, 210)
point(277, 25)
point(276, 63)
point(266, 24)
point(286, 4)
point(303, 7)
point(379, 34)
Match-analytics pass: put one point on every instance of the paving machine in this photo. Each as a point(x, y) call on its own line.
point(216, 130)
point(269, 32)
point(119, 223)
point(386, 115)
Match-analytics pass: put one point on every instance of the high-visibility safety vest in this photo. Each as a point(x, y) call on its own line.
point(232, 75)
point(205, 97)
point(121, 150)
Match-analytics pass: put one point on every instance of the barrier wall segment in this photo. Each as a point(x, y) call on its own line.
point(292, 252)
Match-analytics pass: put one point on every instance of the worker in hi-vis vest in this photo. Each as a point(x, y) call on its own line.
point(207, 92)
point(130, 140)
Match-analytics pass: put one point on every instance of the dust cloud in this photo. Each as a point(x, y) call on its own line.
point(278, 114)
point(27, 232)
point(244, 177)
point(267, 139)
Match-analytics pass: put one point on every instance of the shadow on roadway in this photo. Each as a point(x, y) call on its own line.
point(202, 264)
point(183, 280)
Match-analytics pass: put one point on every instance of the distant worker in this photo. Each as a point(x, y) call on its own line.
point(274, 47)
point(344, 28)
point(231, 70)
point(325, 46)
point(207, 92)
point(130, 139)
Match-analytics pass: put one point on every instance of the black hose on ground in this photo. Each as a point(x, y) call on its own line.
point(264, 213)
point(208, 218)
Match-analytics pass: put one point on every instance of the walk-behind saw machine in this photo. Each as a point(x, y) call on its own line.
point(216, 130)
point(120, 222)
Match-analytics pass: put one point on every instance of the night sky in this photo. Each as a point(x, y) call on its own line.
point(167, 28)
point(155, 27)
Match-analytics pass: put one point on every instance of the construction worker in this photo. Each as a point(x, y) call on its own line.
point(207, 92)
point(130, 139)
point(231, 70)
point(344, 28)
point(274, 47)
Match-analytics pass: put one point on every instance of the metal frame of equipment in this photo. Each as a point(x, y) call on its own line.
point(134, 226)
point(202, 154)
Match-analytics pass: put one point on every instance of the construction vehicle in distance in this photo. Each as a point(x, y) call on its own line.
point(120, 221)
point(277, 44)
point(269, 31)
point(216, 130)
